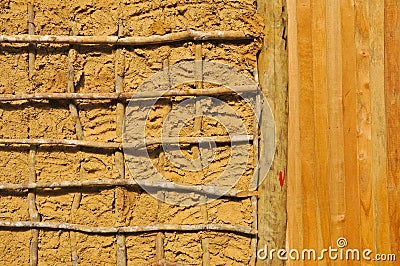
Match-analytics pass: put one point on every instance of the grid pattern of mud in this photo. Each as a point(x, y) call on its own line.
point(94, 69)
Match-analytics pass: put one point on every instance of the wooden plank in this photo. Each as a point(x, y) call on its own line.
point(335, 121)
point(321, 122)
point(349, 65)
point(307, 124)
point(294, 197)
point(378, 121)
point(272, 69)
point(392, 92)
point(364, 152)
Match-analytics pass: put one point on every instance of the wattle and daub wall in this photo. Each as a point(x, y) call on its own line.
point(94, 71)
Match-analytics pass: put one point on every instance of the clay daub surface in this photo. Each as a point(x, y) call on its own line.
point(94, 72)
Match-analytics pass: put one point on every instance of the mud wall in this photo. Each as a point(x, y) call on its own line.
point(94, 72)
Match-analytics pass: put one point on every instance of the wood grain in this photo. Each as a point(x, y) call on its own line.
point(349, 82)
point(272, 70)
point(364, 152)
point(335, 122)
point(320, 103)
point(294, 195)
point(352, 73)
point(378, 131)
point(307, 123)
point(392, 100)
